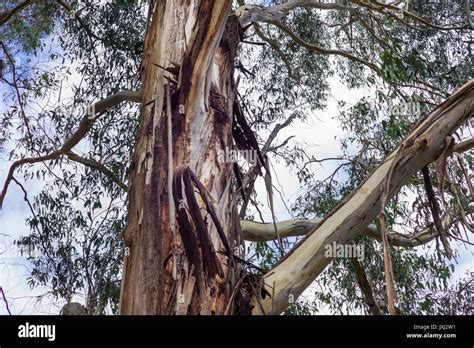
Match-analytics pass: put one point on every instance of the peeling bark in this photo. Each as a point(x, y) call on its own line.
point(167, 272)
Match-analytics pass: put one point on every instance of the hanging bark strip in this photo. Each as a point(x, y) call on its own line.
point(186, 230)
point(243, 135)
point(245, 139)
point(435, 211)
point(388, 269)
point(238, 179)
point(205, 195)
point(194, 232)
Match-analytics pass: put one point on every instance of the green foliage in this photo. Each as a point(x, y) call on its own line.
point(79, 217)
point(286, 77)
point(77, 244)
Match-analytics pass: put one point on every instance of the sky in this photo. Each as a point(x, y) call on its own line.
point(318, 131)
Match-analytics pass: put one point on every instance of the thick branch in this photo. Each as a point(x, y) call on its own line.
point(463, 146)
point(295, 272)
point(84, 126)
point(264, 232)
point(256, 13)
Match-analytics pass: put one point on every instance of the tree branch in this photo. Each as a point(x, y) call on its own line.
point(256, 13)
point(249, 180)
point(463, 146)
point(79, 20)
point(365, 287)
point(380, 7)
point(321, 50)
point(84, 126)
point(264, 232)
point(5, 16)
point(435, 210)
point(274, 45)
point(17, 91)
point(5, 300)
point(98, 166)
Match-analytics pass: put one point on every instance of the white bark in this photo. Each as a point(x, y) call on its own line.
point(256, 13)
point(264, 232)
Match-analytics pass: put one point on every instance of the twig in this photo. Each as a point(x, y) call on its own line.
point(5, 300)
point(17, 91)
point(84, 126)
point(98, 166)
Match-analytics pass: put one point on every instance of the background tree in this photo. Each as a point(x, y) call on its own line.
point(204, 79)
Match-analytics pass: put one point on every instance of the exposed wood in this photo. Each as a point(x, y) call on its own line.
point(463, 146)
point(257, 13)
point(264, 232)
point(388, 269)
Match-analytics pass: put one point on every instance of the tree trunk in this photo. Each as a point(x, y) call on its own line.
point(180, 241)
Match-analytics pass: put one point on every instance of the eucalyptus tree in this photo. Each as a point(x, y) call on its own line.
point(199, 79)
